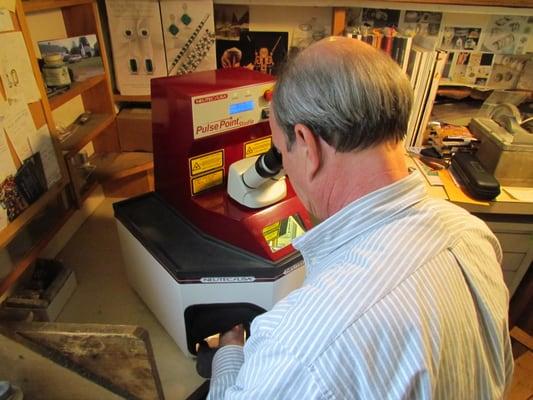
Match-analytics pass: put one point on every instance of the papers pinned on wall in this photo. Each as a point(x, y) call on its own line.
point(8, 4)
point(6, 23)
point(7, 166)
point(15, 68)
point(42, 142)
point(19, 126)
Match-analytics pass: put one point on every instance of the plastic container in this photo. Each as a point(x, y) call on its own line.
point(55, 71)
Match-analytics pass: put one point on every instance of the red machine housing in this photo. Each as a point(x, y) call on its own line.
point(177, 145)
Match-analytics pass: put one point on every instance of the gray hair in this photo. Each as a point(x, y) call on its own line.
point(348, 93)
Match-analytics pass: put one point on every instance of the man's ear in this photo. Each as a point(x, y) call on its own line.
point(311, 145)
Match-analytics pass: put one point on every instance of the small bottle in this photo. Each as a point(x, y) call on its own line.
point(55, 71)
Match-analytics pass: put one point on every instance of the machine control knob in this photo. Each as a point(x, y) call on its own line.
point(265, 113)
point(268, 94)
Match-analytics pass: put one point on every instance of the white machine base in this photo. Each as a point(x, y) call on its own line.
point(168, 299)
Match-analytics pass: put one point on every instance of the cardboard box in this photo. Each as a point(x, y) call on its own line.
point(59, 292)
point(135, 129)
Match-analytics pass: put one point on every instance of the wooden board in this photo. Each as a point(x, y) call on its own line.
point(106, 361)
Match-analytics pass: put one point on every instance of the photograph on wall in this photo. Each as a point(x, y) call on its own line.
point(260, 51)
point(231, 20)
point(507, 35)
point(189, 35)
point(380, 17)
point(421, 22)
point(471, 68)
point(506, 71)
point(460, 38)
point(80, 53)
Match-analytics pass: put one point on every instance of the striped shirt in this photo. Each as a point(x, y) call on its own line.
point(404, 298)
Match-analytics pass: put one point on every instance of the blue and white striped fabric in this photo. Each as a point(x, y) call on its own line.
point(404, 299)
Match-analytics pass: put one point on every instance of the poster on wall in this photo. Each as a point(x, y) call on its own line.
point(260, 51)
point(380, 17)
point(506, 71)
point(189, 35)
point(423, 23)
point(230, 21)
point(137, 44)
point(471, 68)
point(460, 38)
point(507, 34)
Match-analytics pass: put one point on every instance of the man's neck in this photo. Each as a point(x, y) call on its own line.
point(350, 176)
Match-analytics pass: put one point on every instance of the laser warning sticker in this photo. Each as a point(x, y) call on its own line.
point(256, 147)
point(207, 181)
point(206, 162)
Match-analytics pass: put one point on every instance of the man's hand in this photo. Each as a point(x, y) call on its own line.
point(235, 336)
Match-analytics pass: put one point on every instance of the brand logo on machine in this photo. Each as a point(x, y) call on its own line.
point(208, 99)
point(222, 125)
point(228, 279)
point(293, 268)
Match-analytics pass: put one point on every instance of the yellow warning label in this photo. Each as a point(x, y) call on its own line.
point(206, 162)
point(207, 181)
point(256, 147)
point(271, 232)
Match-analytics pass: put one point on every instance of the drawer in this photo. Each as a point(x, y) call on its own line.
point(515, 242)
point(511, 261)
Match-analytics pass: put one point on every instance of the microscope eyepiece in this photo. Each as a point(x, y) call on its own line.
point(268, 164)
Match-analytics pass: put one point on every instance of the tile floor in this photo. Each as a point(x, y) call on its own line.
point(104, 296)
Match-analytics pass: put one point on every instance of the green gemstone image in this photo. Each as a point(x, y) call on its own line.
point(173, 29)
point(186, 19)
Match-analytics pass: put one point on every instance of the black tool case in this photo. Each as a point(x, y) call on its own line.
point(478, 183)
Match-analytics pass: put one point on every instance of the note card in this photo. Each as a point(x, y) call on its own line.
point(19, 126)
point(15, 68)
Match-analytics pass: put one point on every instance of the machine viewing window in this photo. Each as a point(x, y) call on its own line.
point(280, 234)
point(241, 107)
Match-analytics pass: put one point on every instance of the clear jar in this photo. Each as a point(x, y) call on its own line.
point(55, 71)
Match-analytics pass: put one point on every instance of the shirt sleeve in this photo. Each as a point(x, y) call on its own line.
point(267, 371)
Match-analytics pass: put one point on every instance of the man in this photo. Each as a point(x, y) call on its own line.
point(404, 296)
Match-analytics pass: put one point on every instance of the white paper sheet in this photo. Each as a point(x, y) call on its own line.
point(524, 194)
point(3, 218)
point(15, 68)
point(41, 142)
point(6, 23)
point(7, 166)
point(9, 4)
point(19, 126)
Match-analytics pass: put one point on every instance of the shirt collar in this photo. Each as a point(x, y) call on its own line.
point(358, 217)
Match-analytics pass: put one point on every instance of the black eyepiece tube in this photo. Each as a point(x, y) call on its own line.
point(266, 166)
point(269, 163)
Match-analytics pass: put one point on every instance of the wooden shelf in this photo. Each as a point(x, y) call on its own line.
point(120, 165)
point(23, 219)
point(76, 89)
point(132, 99)
point(379, 4)
point(85, 133)
point(22, 264)
point(42, 5)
